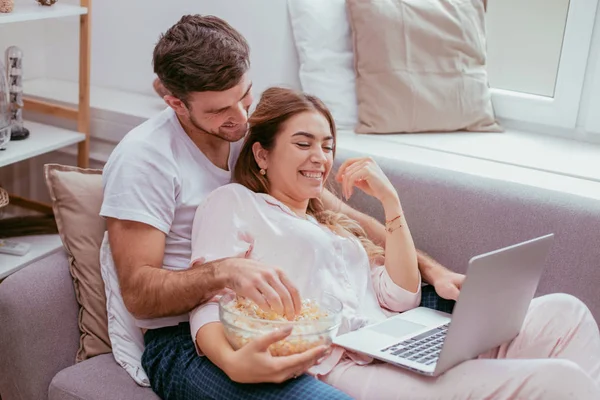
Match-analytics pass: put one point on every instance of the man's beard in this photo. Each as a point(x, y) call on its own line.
point(228, 137)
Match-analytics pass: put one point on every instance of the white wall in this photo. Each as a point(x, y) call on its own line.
point(123, 36)
point(124, 33)
point(31, 38)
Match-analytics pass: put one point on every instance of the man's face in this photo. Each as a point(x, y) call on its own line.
point(221, 114)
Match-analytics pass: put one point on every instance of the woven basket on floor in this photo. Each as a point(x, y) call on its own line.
point(24, 225)
point(3, 198)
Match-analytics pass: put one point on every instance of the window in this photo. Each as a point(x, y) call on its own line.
point(537, 58)
point(592, 120)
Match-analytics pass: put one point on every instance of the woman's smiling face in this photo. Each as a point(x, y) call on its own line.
point(299, 163)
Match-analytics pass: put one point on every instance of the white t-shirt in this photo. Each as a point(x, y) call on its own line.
point(158, 176)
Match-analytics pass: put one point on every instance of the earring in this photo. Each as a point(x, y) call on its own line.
point(262, 171)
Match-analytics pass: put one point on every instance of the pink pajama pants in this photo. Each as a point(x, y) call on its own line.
point(556, 356)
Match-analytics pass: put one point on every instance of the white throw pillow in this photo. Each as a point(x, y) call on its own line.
point(125, 337)
point(324, 43)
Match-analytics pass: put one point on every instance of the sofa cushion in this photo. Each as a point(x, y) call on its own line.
point(322, 37)
point(76, 199)
point(420, 66)
point(98, 378)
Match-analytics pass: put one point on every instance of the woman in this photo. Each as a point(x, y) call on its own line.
point(273, 214)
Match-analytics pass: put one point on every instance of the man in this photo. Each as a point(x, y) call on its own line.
point(158, 175)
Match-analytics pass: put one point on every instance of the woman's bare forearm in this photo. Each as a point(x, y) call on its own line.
point(430, 269)
point(400, 253)
point(213, 343)
point(151, 292)
point(373, 228)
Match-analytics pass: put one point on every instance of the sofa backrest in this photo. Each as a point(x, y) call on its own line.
point(454, 216)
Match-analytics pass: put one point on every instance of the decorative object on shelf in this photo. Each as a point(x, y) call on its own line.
point(14, 65)
point(46, 2)
point(4, 109)
point(6, 6)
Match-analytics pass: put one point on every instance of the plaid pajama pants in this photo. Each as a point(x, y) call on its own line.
point(177, 373)
point(430, 299)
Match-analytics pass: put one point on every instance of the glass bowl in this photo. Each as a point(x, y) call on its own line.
point(307, 333)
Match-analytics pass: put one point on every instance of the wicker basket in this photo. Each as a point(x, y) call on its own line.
point(24, 225)
point(3, 198)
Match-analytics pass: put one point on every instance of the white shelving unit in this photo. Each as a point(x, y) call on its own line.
point(33, 12)
point(46, 138)
point(41, 246)
point(43, 139)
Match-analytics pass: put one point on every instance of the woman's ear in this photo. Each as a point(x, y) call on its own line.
point(260, 155)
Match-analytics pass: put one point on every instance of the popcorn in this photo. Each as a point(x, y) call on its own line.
point(285, 347)
point(244, 320)
point(246, 307)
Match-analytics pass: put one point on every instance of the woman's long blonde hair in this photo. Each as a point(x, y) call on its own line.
point(276, 106)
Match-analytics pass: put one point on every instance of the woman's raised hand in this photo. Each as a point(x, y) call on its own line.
point(365, 174)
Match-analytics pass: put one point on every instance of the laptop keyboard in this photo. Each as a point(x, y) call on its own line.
point(424, 348)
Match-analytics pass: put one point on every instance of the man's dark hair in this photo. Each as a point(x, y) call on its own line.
point(198, 54)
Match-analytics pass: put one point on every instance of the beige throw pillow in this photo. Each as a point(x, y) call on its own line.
point(76, 199)
point(420, 66)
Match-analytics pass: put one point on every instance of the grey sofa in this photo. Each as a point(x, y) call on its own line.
point(452, 215)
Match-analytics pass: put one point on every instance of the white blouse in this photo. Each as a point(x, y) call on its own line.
point(233, 221)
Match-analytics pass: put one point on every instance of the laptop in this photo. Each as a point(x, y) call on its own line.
point(490, 311)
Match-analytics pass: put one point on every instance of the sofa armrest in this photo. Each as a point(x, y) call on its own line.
point(39, 334)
